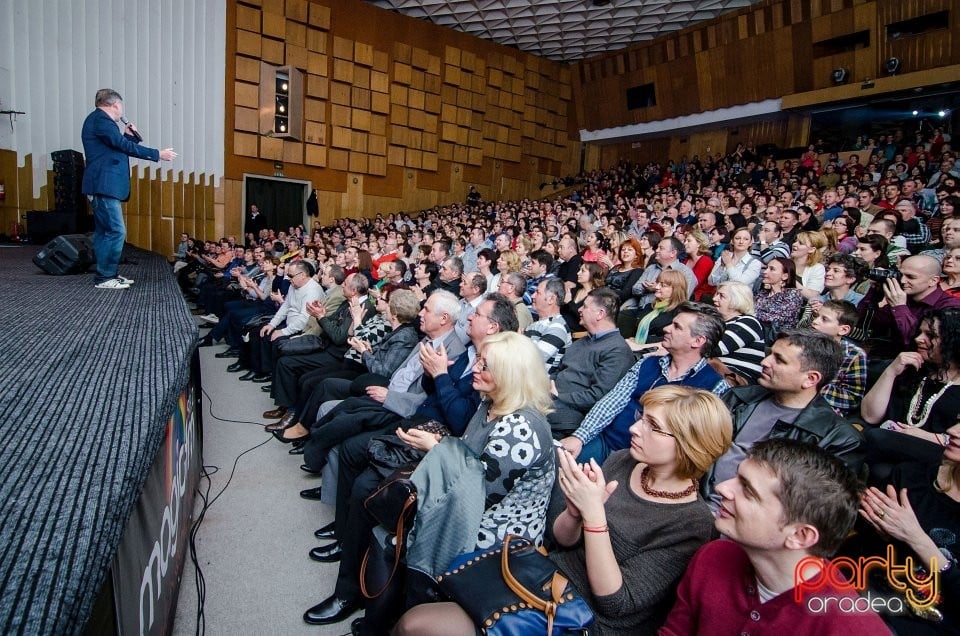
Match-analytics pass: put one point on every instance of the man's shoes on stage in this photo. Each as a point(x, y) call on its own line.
point(296, 450)
point(112, 283)
point(206, 341)
point(312, 471)
point(229, 353)
point(288, 420)
point(313, 494)
point(249, 375)
point(275, 414)
point(125, 280)
point(326, 532)
point(329, 553)
point(260, 378)
point(331, 610)
point(236, 366)
point(267, 388)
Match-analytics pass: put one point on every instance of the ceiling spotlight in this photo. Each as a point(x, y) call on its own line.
point(915, 113)
point(839, 75)
point(892, 65)
point(941, 114)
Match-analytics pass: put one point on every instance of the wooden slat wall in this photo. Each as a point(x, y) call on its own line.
point(760, 52)
point(155, 214)
point(400, 114)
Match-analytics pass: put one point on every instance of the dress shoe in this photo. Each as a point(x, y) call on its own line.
point(236, 366)
point(296, 450)
point(286, 422)
point(332, 610)
point(289, 440)
point(329, 553)
point(312, 471)
point(229, 353)
point(206, 341)
point(313, 494)
point(275, 414)
point(249, 375)
point(363, 627)
point(267, 388)
point(261, 378)
point(326, 532)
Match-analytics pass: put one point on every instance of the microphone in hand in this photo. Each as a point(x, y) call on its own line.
point(131, 128)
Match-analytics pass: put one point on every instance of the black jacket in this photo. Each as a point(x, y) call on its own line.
point(817, 424)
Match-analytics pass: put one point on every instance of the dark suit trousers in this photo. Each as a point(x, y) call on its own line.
point(288, 369)
point(351, 417)
point(355, 482)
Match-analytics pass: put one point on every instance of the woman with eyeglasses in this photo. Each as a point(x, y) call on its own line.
point(629, 528)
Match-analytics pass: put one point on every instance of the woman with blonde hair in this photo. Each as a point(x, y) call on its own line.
point(507, 262)
point(670, 292)
point(697, 246)
point(807, 256)
point(742, 347)
point(628, 529)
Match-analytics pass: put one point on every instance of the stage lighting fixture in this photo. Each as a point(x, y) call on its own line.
point(941, 114)
point(892, 65)
point(840, 75)
point(915, 113)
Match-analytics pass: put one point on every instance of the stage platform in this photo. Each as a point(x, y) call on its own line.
point(90, 380)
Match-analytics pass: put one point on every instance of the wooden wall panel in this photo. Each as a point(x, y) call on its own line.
point(760, 52)
point(384, 105)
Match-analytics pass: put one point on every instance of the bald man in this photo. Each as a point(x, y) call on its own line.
point(908, 301)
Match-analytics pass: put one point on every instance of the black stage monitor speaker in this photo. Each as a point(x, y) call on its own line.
point(66, 254)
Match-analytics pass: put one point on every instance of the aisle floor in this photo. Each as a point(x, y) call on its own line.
point(253, 543)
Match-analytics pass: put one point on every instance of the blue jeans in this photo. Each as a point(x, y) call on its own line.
point(597, 449)
point(108, 235)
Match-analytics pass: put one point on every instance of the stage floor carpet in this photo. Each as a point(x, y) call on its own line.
point(89, 379)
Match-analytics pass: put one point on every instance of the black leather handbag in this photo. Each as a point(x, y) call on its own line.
point(393, 505)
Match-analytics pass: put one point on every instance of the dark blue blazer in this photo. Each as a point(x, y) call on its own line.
point(107, 152)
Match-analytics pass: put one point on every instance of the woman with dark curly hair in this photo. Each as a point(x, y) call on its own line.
point(916, 399)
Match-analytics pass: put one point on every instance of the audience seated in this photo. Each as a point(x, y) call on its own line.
point(632, 243)
point(916, 511)
point(591, 365)
point(693, 333)
point(787, 405)
point(628, 529)
point(786, 509)
point(738, 355)
point(550, 333)
point(916, 399)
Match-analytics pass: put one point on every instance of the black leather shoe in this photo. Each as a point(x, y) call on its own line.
point(289, 440)
point(261, 378)
point(332, 610)
point(206, 341)
point(296, 450)
point(235, 367)
point(249, 375)
point(329, 553)
point(267, 388)
point(313, 494)
point(326, 532)
point(229, 353)
point(312, 471)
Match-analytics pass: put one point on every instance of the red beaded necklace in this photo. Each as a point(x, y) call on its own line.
point(664, 494)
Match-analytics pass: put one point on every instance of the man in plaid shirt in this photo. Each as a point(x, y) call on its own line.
point(836, 318)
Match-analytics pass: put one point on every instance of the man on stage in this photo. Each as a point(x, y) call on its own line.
point(106, 180)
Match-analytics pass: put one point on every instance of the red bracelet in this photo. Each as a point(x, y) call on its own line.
point(596, 529)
